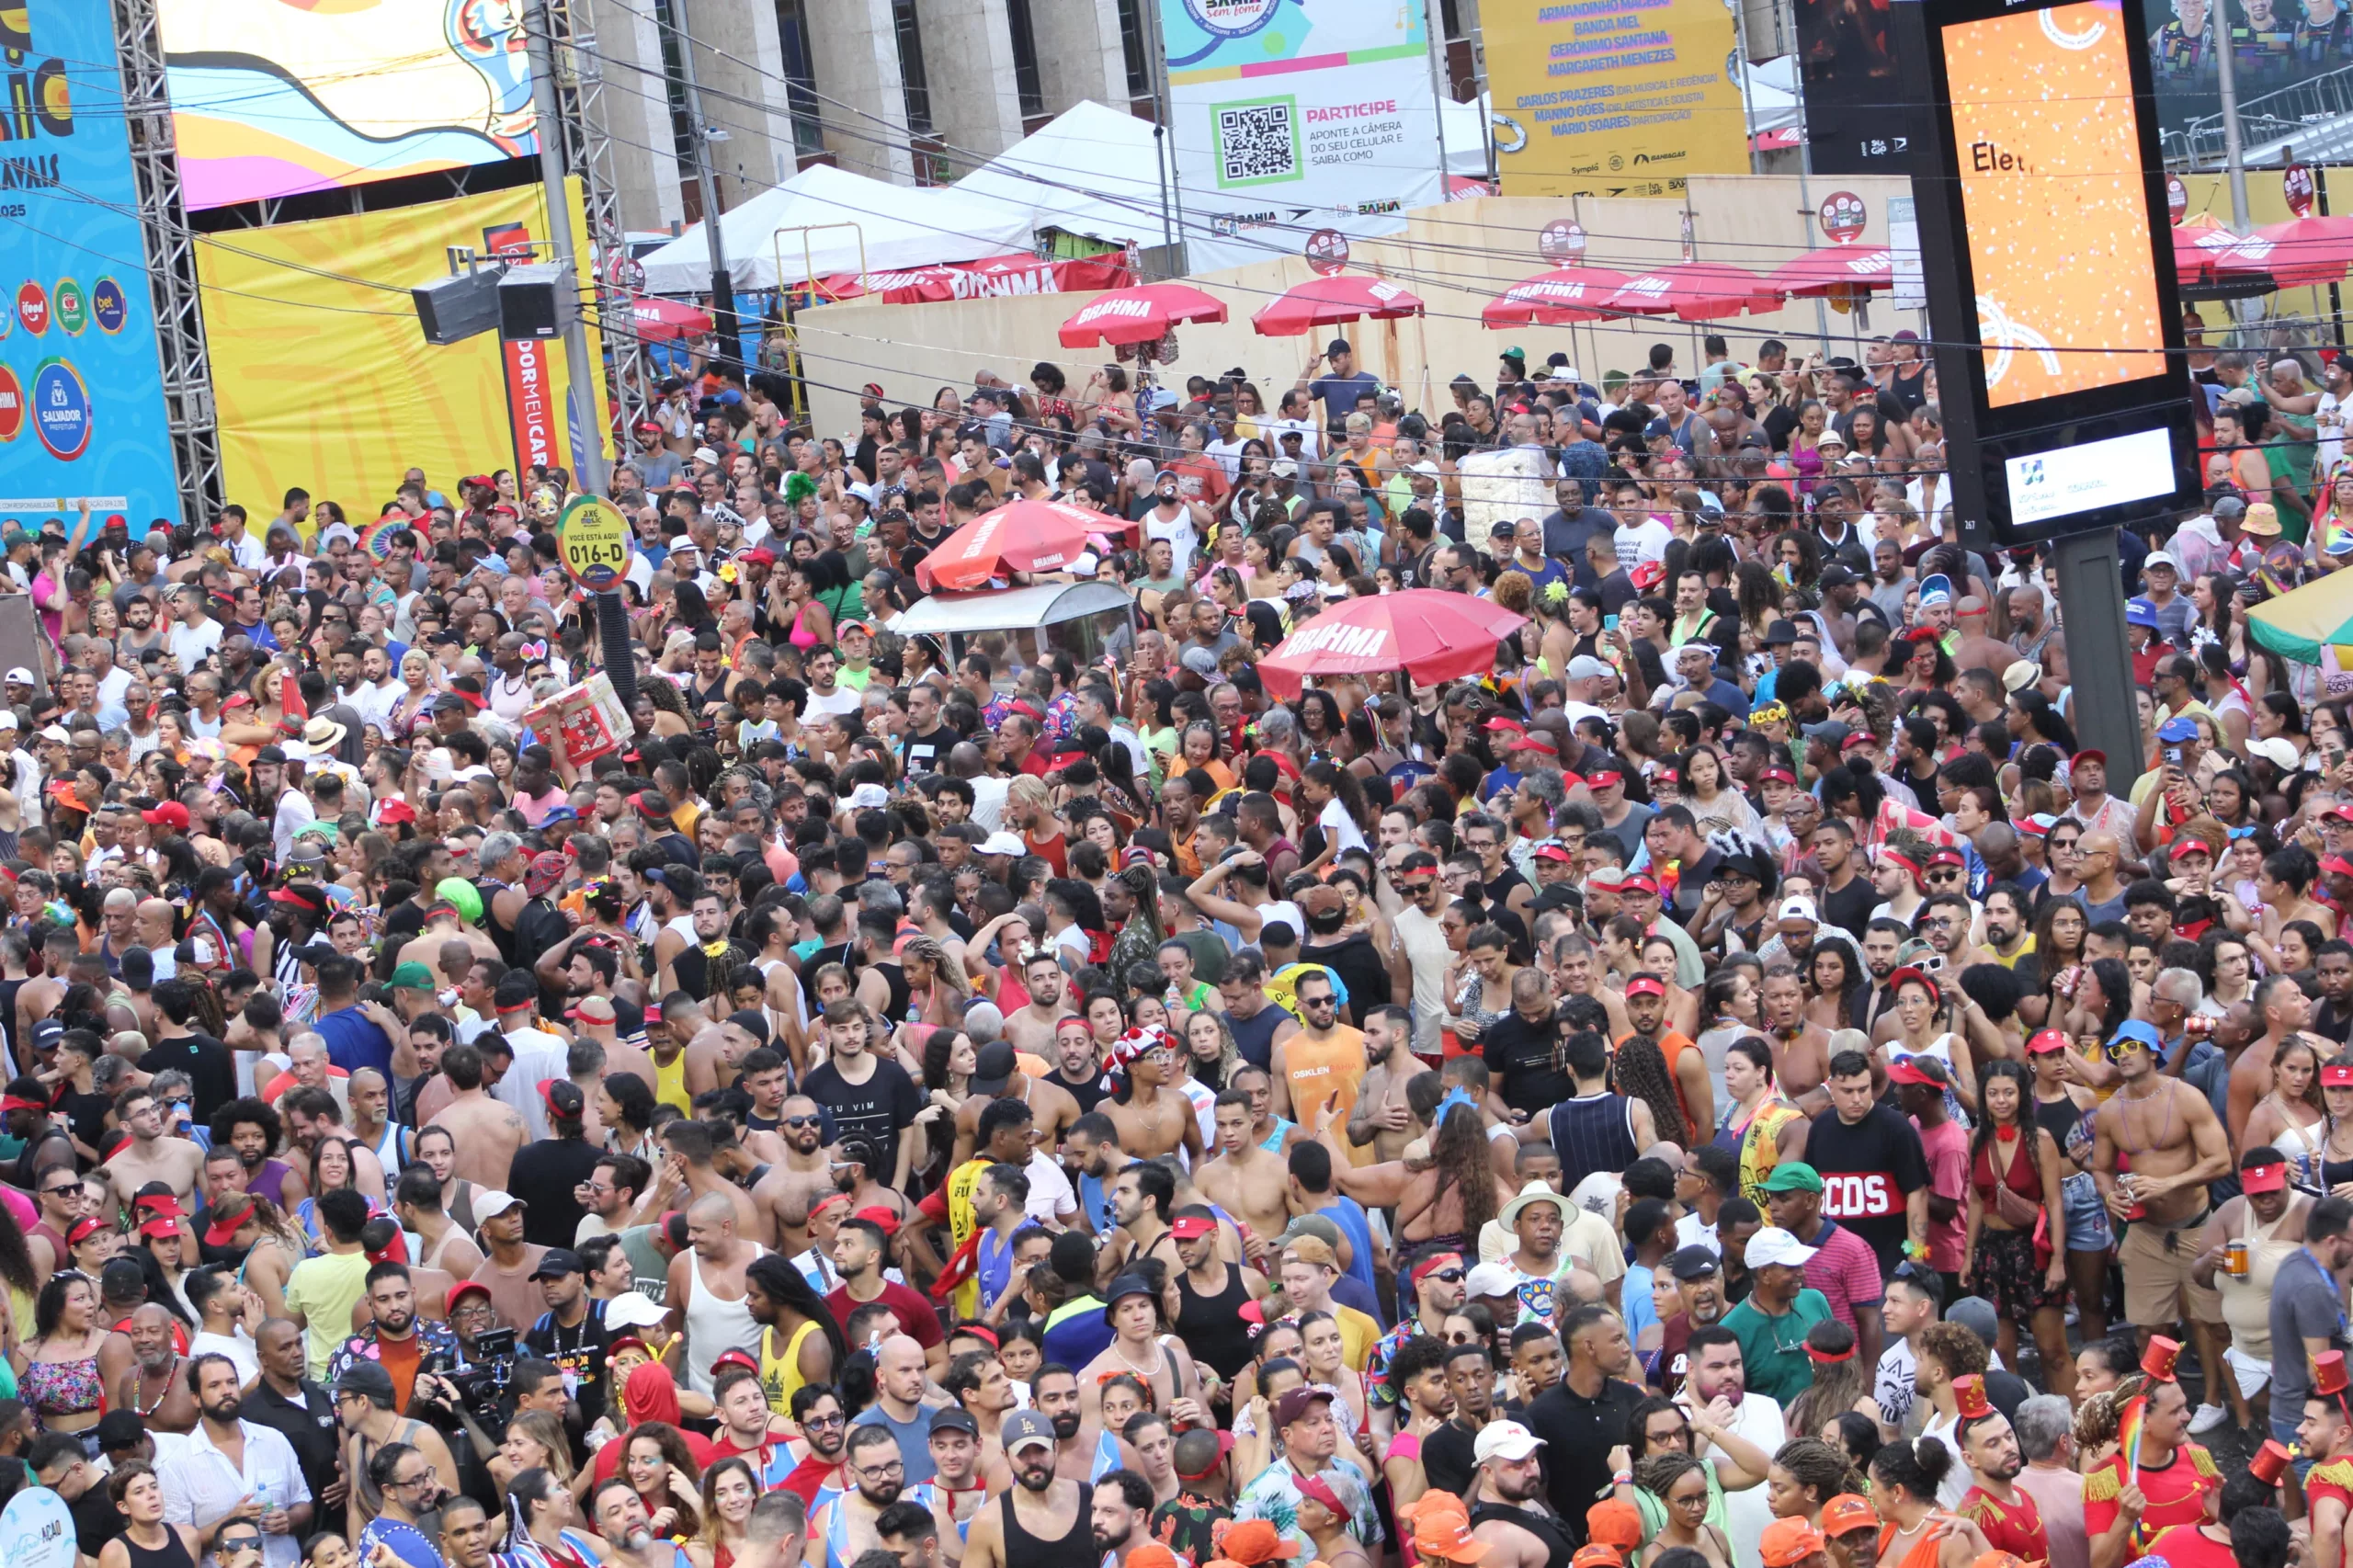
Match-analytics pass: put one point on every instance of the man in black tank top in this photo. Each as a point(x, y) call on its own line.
point(1507, 1506)
point(1042, 1521)
point(1212, 1295)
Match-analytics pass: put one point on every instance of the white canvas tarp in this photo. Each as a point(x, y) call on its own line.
point(773, 240)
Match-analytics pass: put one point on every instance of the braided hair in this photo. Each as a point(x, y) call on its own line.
point(1641, 1074)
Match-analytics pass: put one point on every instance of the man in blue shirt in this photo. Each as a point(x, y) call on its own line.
point(1338, 391)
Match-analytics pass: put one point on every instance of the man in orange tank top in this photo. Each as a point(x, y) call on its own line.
point(1324, 1059)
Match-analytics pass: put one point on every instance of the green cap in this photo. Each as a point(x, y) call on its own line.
point(462, 896)
point(413, 977)
point(1792, 1176)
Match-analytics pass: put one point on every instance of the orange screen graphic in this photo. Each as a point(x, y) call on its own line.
point(2051, 184)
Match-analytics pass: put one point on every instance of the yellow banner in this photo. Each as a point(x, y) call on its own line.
point(329, 385)
point(1613, 97)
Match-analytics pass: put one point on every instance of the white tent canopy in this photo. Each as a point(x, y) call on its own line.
point(897, 227)
point(1096, 171)
point(1773, 103)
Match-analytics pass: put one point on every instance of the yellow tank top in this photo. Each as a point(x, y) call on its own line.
point(780, 1376)
point(670, 1085)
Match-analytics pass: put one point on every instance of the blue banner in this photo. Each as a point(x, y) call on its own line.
point(81, 379)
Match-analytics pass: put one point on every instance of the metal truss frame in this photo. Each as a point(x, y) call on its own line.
point(589, 154)
point(170, 262)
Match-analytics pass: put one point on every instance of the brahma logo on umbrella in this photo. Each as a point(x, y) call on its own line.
point(1348, 641)
point(1133, 310)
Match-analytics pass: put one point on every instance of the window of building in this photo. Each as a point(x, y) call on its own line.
point(910, 70)
point(799, 77)
point(1025, 61)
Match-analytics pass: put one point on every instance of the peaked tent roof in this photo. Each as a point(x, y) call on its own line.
point(901, 227)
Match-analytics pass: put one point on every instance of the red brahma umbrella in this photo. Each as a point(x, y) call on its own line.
point(660, 321)
point(1551, 299)
point(2303, 250)
point(1835, 269)
point(1694, 290)
point(1340, 297)
point(1431, 634)
point(1027, 536)
point(1141, 314)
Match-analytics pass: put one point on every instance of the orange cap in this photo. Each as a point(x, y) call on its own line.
point(1785, 1542)
point(1848, 1512)
point(1441, 1528)
point(1252, 1541)
point(1614, 1523)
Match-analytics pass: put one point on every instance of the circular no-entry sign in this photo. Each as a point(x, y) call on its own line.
point(1562, 242)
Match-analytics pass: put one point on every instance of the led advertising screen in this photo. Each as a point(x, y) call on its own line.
point(2046, 255)
point(275, 97)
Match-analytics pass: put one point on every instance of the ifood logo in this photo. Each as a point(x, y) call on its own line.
point(61, 410)
point(33, 308)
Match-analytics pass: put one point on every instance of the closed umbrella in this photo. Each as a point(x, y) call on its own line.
point(1027, 536)
point(1835, 270)
point(1328, 301)
point(1563, 295)
point(1141, 314)
point(1432, 635)
point(1694, 290)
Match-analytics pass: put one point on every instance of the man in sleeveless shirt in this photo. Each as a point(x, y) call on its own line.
point(2269, 1220)
point(1042, 1521)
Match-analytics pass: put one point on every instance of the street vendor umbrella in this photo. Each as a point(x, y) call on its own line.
point(2203, 250)
point(2303, 250)
point(1563, 295)
point(1326, 302)
point(1142, 314)
point(2310, 625)
point(1431, 634)
point(1028, 536)
point(1835, 269)
point(660, 321)
point(1694, 290)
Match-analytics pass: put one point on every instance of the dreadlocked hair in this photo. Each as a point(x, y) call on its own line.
point(1815, 1465)
point(209, 1011)
point(1642, 1074)
point(719, 968)
point(2102, 1416)
point(1145, 883)
point(1460, 1152)
point(1657, 1474)
point(944, 971)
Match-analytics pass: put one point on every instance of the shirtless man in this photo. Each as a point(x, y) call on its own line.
point(1051, 1108)
point(152, 1157)
point(1273, 1132)
point(1245, 1179)
point(1031, 1028)
point(1143, 1195)
point(442, 1243)
point(39, 997)
point(486, 1132)
point(156, 1384)
point(442, 927)
point(1155, 1119)
point(2177, 1145)
point(2283, 1008)
point(795, 1183)
point(1045, 1501)
point(436, 1150)
point(1800, 1047)
point(1077, 1442)
point(1381, 1116)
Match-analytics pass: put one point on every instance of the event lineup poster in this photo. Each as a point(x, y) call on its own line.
point(1291, 115)
point(81, 382)
point(274, 97)
point(1613, 97)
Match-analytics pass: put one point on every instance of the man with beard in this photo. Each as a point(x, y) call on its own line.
point(397, 1339)
point(846, 1526)
point(794, 1185)
point(1030, 1027)
point(1736, 1434)
point(152, 1385)
point(862, 1252)
point(1042, 1521)
point(1698, 1285)
point(743, 1410)
point(621, 1519)
point(1506, 1507)
point(229, 1465)
point(1054, 1395)
point(1118, 1514)
point(253, 1130)
point(825, 1434)
point(1990, 1449)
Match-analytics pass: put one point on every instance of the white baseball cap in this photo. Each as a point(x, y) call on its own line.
point(2160, 557)
point(1797, 906)
point(1489, 1280)
point(1002, 844)
point(489, 1206)
point(631, 1309)
point(17, 675)
point(1505, 1441)
point(1770, 1246)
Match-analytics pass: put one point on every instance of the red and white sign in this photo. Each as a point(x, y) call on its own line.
point(1326, 251)
point(995, 277)
point(2177, 199)
point(1860, 1195)
point(33, 308)
point(1562, 242)
point(12, 405)
point(2296, 185)
point(1842, 216)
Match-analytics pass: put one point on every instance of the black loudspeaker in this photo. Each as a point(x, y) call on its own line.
point(534, 301)
point(451, 310)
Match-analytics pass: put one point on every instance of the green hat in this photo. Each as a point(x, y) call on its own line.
point(462, 896)
point(413, 977)
point(1792, 1176)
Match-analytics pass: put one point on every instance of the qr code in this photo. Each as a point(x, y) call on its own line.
point(1257, 143)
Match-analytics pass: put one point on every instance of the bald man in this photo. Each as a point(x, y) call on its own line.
point(899, 1408)
point(706, 1291)
point(1977, 649)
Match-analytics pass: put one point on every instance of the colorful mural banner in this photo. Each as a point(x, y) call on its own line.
point(1614, 98)
point(274, 98)
point(1290, 115)
point(330, 385)
point(82, 419)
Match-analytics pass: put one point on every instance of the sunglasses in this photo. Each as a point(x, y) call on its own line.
point(1448, 1276)
point(802, 1122)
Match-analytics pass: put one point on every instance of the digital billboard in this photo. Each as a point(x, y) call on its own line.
point(2048, 256)
point(82, 419)
point(275, 97)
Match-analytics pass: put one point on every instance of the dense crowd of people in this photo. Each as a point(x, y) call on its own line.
point(1735, 1085)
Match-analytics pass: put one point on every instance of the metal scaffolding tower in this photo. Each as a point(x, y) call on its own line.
point(171, 262)
point(589, 154)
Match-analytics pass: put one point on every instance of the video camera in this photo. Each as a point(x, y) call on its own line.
point(482, 1386)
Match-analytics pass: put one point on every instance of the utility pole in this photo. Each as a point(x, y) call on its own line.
point(722, 282)
point(2234, 154)
point(580, 369)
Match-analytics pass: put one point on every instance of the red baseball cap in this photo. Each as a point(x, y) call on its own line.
point(2046, 1040)
point(1646, 985)
point(1638, 885)
point(1770, 774)
point(171, 814)
point(1192, 1227)
point(2264, 1179)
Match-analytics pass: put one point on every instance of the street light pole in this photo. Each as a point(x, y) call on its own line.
point(722, 282)
point(580, 372)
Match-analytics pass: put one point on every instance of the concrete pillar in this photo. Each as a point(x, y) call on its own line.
point(854, 55)
point(1079, 54)
point(968, 55)
point(727, 32)
point(637, 116)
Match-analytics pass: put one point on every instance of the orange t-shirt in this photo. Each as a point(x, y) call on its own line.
point(401, 1357)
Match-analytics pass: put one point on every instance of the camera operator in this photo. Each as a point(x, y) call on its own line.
point(462, 1389)
point(363, 1405)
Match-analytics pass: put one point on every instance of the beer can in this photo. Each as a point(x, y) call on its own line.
point(2235, 1259)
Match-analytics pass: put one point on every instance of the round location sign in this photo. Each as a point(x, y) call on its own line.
point(2296, 184)
point(61, 409)
point(1842, 216)
point(2177, 199)
point(1327, 251)
point(596, 543)
point(1562, 242)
